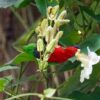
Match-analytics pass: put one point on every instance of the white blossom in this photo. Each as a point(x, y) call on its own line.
point(87, 61)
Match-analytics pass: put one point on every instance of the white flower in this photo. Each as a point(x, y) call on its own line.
point(87, 61)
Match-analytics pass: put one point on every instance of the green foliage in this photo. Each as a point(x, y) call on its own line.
point(92, 41)
point(7, 67)
point(42, 6)
point(49, 92)
point(73, 83)
point(26, 54)
point(30, 48)
point(91, 13)
point(4, 82)
point(70, 38)
point(22, 3)
point(22, 57)
point(68, 66)
point(70, 85)
point(83, 96)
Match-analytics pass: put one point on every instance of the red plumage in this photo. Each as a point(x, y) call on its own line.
point(61, 54)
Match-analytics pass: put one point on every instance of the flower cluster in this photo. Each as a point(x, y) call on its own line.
point(48, 30)
point(87, 61)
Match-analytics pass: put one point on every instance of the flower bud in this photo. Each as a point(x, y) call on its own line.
point(40, 45)
point(48, 34)
point(44, 25)
point(59, 35)
point(46, 57)
point(55, 9)
point(60, 22)
point(38, 30)
point(42, 65)
point(52, 12)
point(45, 65)
point(62, 15)
point(51, 46)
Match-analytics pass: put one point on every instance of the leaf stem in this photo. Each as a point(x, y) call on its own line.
point(36, 94)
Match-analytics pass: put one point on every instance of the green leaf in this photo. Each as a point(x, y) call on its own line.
point(92, 41)
point(22, 3)
point(42, 6)
point(22, 57)
point(49, 92)
point(29, 48)
point(70, 36)
point(4, 82)
point(77, 95)
point(74, 84)
point(53, 2)
point(7, 3)
point(91, 13)
point(68, 66)
point(7, 67)
point(71, 84)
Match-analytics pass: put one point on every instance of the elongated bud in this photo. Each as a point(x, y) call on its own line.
point(55, 9)
point(44, 23)
point(51, 46)
point(48, 34)
point(60, 22)
point(62, 15)
point(46, 57)
point(40, 45)
point(52, 12)
point(59, 35)
point(43, 65)
point(38, 30)
point(44, 26)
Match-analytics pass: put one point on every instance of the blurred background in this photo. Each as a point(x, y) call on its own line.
point(13, 24)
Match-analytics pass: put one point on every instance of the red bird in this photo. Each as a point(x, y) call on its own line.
point(61, 54)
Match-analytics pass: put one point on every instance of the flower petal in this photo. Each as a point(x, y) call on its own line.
point(85, 73)
point(93, 56)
